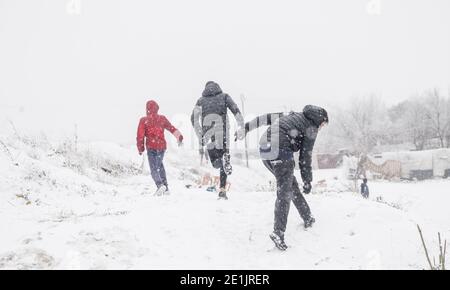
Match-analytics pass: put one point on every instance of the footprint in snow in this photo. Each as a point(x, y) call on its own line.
point(27, 259)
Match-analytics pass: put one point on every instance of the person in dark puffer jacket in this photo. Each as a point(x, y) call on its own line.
point(210, 121)
point(365, 188)
point(289, 133)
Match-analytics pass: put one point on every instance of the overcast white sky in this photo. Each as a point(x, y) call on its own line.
point(97, 66)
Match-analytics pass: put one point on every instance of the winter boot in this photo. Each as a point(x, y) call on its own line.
point(161, 190)
point(278, 239)
point(223, 194)
point(167, 192)
point(309, 223)
point(227, 164)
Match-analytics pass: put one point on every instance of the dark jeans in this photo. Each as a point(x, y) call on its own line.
point(155, 159)
point(364, 190)
point(287, 190)
point(216, 157)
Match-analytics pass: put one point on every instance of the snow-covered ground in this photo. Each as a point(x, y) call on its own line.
point(59, 209)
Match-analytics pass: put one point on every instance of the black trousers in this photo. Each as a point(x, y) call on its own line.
point(287, 190)
point(216, 157)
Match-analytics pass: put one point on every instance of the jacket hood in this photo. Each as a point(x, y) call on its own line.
point(211, 89)
point(316, 114)
point(152, 108)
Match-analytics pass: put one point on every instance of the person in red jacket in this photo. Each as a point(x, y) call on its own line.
point(150, 136)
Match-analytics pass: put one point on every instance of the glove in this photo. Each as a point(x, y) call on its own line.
point(140, 153)
point(180, 140)
point(307, 188)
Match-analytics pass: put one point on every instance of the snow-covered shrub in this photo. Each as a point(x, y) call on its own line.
point(27, 259)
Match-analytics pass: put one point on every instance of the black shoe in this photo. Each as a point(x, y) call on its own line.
point(227, 164)
point(309, 223)
point(278, 240)
point(223, 195)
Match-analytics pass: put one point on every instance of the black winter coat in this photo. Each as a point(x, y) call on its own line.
point(289, 133)
point(211, 110)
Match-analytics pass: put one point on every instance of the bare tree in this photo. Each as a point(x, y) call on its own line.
point(447, 117)
point(416, 124)
point(437, 113)
point(364, 123)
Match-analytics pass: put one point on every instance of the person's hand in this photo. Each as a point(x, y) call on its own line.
point(307, 188)
point(180, 140)
point(140, 153)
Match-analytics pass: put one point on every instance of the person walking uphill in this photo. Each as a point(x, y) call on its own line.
point(294, 132)
point(210, 121)
point(150, 136)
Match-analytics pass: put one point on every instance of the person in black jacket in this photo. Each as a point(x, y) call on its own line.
point(210, 121)
point(365, 188)
point(289, 133)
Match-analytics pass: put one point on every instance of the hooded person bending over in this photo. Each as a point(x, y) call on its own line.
point(210, 121)
point(289, 133)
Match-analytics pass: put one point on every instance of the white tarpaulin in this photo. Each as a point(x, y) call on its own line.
point(441, 162)
point(437, 160)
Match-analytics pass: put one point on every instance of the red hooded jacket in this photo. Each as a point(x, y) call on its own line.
point(152, 129)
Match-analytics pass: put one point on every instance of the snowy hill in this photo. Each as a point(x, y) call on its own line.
point(66, 205)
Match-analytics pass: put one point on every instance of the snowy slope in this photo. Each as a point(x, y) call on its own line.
point(59, 209)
